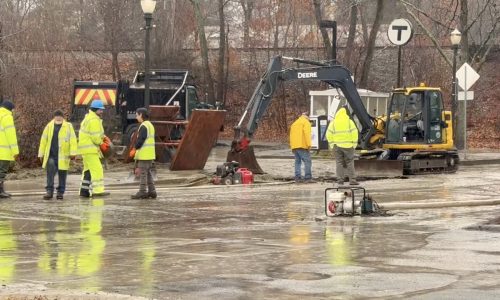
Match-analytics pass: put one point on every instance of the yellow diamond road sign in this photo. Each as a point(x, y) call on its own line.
point(466, 76)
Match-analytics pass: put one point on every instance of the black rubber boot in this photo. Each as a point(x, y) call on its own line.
point(103, 194)
point(59, 196)
point(48, 195)
point(152, 195)
point(3, 194)
point(140, 195)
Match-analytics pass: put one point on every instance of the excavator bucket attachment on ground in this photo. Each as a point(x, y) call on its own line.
point(246, 160)
point(375, 168)
point(197, 140)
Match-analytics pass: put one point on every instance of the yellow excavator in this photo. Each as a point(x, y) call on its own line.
point(415, 135)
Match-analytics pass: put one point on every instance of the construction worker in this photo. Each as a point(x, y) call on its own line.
point(91, 136)
point(342, 136)
point(9, 149)
point(300, 143)
point(57, 145)
point(144, 154)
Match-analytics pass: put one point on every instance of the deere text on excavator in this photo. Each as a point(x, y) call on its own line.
point(414, 136)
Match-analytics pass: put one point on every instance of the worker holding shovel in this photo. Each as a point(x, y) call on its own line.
point(144, 154)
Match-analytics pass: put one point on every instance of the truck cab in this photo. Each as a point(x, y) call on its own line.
point(122, 98)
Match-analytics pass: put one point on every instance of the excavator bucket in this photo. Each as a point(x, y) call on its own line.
point(246, 159)
point(375, 168)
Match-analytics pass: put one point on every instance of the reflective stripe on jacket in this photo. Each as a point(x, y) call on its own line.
point(147, 150)
point(300, 134)
point(91, 134)
point(342, 132)
point(67, 144)
point(8, 137)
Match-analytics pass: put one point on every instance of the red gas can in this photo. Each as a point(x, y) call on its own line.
point(246, 176)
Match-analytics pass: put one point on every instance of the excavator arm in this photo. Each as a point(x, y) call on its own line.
point(372, 131)
point(336, 76)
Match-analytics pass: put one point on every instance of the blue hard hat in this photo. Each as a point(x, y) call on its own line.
point(97, 104)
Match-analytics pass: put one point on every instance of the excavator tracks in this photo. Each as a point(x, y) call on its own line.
point(429, 162)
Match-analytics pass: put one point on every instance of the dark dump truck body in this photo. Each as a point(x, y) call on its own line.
point(185, 129)
point(167, 87)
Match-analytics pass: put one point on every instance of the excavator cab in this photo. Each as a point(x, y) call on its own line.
point(416, 117)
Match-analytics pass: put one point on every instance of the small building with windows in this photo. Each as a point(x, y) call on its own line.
point(326, 102)
point(324, 105)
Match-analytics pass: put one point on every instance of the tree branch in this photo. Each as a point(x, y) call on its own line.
point(477, 17)
point(490, 46)
point(483, 58)
point(490, 35)
point(425, 14)
point(427, 32)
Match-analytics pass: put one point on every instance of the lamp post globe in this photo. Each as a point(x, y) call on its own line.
point(455, 37)
point(148, 7)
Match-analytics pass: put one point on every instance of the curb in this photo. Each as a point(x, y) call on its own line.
point(119, 189)
point(479, 162)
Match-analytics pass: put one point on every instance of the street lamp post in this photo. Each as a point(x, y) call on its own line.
point(148, 7)
point(455, 38)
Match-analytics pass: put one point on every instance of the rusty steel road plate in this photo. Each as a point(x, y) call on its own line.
point(163, 113)
point(198, 140)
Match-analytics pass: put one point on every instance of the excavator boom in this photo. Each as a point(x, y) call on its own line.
point(419, 131)
point(335, 75)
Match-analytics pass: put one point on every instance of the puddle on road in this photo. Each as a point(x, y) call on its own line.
point(125, 246)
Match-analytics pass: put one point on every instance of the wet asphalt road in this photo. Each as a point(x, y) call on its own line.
point(257, 242)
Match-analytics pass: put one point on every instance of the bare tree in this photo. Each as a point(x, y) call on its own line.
point(352, 31)
point(486, 12)
point(175, 25)
point(115, 14)
point(459, 9)
point(371, 44)
point(364, 26)
point(222, 51)
point(204, 50)
point(324, 33)
point(247, 6)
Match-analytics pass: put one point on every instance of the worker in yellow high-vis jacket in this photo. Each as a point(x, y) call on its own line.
point(342, 136)
point(300, 143)
point(57, 146)
point(144, 154)
point(9, 149)
point(91, 136)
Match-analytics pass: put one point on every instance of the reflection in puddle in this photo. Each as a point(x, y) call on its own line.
point(80, 253)
point(340, 244)
point(8, 247)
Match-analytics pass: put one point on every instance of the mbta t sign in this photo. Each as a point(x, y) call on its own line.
point(400, 32)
